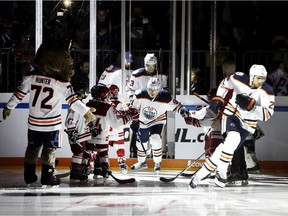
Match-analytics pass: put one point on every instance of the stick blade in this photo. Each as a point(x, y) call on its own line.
point(122, 181)
point(125, 181)
point(166, 180)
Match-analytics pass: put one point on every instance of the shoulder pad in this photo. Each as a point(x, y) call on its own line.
point(267, 88)
point(112, 68)
point(141, 93)
point(138, 72)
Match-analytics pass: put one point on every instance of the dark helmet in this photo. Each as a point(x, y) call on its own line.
point(114, 90)
point(99, 92)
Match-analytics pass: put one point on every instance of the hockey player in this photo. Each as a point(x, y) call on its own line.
point(138, 80)
point(140, 77)
point(106, 117)
point(48, 85)
point(252, 101)
point(153, 103)
point(116, 135)
point(78, 134)
point(113, 75)
point(210, 122)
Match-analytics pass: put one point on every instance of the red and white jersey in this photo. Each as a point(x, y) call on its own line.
point(75, 122)
point(45, 102)
point(139, 79)
point(153, 112)
point(116, 134)
point(264, 97)
point(106, 117)
point(114, 75)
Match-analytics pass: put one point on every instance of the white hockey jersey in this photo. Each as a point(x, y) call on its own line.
point(153, 112)
point(106, 117)
point(139, 79)
point(114, 75)
point(75, 122)
point(45, 102)
point(264, 97)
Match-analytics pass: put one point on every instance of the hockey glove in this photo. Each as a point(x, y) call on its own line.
point(192, 121)
point(6, 112)
point(89, 116)
point(216, 104)
point(184, 112)
point(72, 135)
point(245, 102)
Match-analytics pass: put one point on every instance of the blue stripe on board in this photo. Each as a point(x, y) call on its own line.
point(26, 106)
point(189, 107)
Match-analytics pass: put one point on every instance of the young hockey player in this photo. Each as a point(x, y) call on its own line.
point(106, 116)
point(48, 85)
point(152, 103)
point(78, 134)
point(116, 135)
point(252, 101)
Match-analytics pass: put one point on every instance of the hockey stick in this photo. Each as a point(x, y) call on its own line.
point(60, 175)
point(201, 98)
point(120, 181)
point(167, 180)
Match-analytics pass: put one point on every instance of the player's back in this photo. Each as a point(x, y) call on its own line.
point(45, 104)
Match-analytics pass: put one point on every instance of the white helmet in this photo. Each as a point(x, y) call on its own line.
point(257, 70)
point(150, 60)
point(154, 86)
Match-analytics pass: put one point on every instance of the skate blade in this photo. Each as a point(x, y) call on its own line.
point(219, 184)
point(238, 183)
point(49, 186)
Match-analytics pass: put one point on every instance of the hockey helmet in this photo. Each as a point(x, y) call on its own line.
point(100, 92)
point(154, 86)
point(150, 62)
point(257, 70)
point(114, 90)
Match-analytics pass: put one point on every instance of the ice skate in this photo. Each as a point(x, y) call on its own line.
point(237, 179)
point(97, 173)
point(78, 174)
point(123, 166)
point(220, 179)
point(254, 170)
point(139, 166)
point(30, 176)
point(157, 168)
point(47, 176)
point(194, 181)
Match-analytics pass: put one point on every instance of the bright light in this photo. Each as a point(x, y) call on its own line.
point(67, 3)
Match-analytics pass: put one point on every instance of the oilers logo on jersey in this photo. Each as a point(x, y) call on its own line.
point(149, 113)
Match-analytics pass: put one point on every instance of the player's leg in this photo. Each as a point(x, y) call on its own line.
point(142, 148)
point(77, 169)
point(51, 142)
point(156, 143)
point(31, 157)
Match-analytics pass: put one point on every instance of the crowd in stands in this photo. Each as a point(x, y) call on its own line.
point(241, 26)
